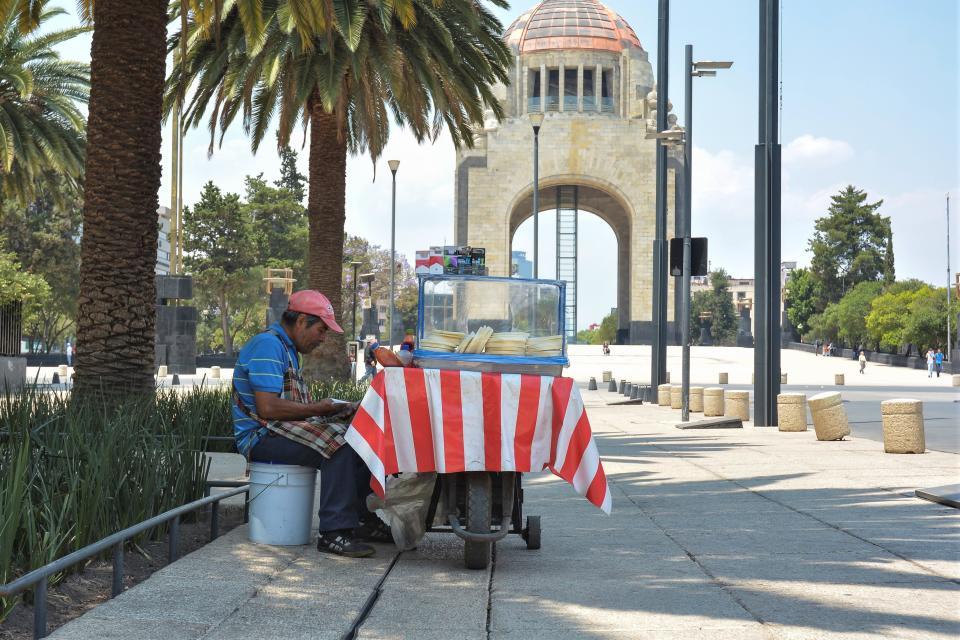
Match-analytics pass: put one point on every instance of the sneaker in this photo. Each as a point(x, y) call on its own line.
point(374, 530)
point(342, 543)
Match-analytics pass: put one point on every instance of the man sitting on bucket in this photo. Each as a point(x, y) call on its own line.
point(276, 420)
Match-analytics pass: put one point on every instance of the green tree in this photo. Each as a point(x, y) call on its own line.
point(719, 305)
point(801, 299)
point(217, 241)
point(851, 244)
point(44, 236)
point(16, 285)
point(376, 260)
point(279, 226)
point(926, 324)
point(41, 122)
point(606, 331)
point(346, 71)
point(852, 311)
point(290, 177)
point(889, 314)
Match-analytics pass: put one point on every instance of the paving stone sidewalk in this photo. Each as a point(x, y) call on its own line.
point(734, 534)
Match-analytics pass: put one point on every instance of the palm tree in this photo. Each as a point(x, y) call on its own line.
point(41, 125)
point(344, 71)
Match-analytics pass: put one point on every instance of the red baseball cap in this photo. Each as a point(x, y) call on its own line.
point(315, 304)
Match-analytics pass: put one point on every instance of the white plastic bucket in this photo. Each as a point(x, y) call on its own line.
point(281, 503)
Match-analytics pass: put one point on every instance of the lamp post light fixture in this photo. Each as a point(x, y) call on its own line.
point(536, 120)
point(394, 165)
point(367, 279)
point(353, 323)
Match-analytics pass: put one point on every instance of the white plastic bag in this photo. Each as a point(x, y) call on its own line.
point(405, 507)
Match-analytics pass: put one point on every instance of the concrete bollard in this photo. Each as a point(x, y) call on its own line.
point(713, 402)
point(792, 411)
point(612, 387)
point(623, 386)
point(696, 399)
point(627, 388)
point(676, 396)
point(838, 379)
point(956, 379)
point(176, 380)
point(829, 416)
point(162, 371)
point(215, 372)
point(56, 378)
point(753, 378)
point(667, 379)
point(902, 426)
point(607, 376)
point(592, 385)
point(62, 370)
point(724, 378)
point(783, 378)
point(635, 393)
point(736, 404)
point(663, 395)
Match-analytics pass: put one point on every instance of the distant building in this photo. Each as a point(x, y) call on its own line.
point(521, 267)
point(163, 241)
point(742, 289)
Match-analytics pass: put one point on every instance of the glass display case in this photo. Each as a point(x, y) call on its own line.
point(482, 323)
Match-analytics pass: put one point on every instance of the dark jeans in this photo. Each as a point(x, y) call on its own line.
point(344, 478)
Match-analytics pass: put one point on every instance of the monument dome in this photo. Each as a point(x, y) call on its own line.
point(570, 24)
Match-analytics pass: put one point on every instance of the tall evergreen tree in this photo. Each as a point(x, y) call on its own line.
point(852, 244)
point(290, 177)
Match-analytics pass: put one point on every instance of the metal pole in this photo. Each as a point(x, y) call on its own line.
point(949, 282)
point(353, 323)
point(536, 201)
point(393, 252)
point(658, 356)
point(172, 233)
point(686, 223)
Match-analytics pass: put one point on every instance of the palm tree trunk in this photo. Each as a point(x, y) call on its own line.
point(326, 211)
point(116, 305)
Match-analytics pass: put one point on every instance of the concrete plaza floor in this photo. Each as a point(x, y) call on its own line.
point(734, 534)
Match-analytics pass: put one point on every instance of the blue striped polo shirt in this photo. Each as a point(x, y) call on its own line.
point(260, 367)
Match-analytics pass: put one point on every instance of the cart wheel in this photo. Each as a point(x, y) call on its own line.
point(476, 555)
point(532, 533)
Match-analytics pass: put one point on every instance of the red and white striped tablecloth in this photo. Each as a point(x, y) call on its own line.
point(421, 420)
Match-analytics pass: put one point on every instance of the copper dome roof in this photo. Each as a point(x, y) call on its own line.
point(570, 24)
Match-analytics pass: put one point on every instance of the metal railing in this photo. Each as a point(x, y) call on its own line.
point(38, 577)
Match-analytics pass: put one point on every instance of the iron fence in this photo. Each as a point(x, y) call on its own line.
point(11, 328)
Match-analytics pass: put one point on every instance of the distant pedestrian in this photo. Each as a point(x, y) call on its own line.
point(68, 349)
point(931, 362)
point(606, 348)
point(938, 360)
point(816, 347)
point(863, 361)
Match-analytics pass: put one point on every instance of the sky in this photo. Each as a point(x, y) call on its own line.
point(870, 97)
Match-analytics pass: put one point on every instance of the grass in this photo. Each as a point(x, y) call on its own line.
point(72, 474)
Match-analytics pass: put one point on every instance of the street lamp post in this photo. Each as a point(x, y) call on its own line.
point(353, 323)
point(536, 119)
point(949, 281)
point(394, 165)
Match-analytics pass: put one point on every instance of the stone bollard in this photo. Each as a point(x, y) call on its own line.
point(956, 379)
point(902, 426)
point(783, 378)
point(62, 370)
point(838, 379)
point(612, 387)
point(623, 386)
point(829, 416)
point(627, 388)
point(215, 372)
point(724, 378)
point(607, 376)
point(713, 402)
point(792, 411)
point(176, 380)
point(676, 396)
point(635, 393)
point(696, 399)
point(667, 379)
point(663, 395)
point(162, 371)
point(736, 404)
point(592, 385)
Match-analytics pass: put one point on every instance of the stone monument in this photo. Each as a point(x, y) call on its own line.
point(176, 342)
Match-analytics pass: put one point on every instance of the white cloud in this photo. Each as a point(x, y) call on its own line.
point(816, 151)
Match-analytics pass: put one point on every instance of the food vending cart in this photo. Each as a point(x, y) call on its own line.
point(483, 403)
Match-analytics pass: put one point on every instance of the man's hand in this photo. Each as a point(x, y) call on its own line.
point(270, 406)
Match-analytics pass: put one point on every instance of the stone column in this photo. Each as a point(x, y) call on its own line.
point(696, 399)
point(829, 416)
point(902, 426)
point(663, 395)
point(598, 87)
point(792, 411)
point(676, 396)
point(736, 404)
point(561, 89)
point(543, 87)
point(579, 87)
point(713, 402)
